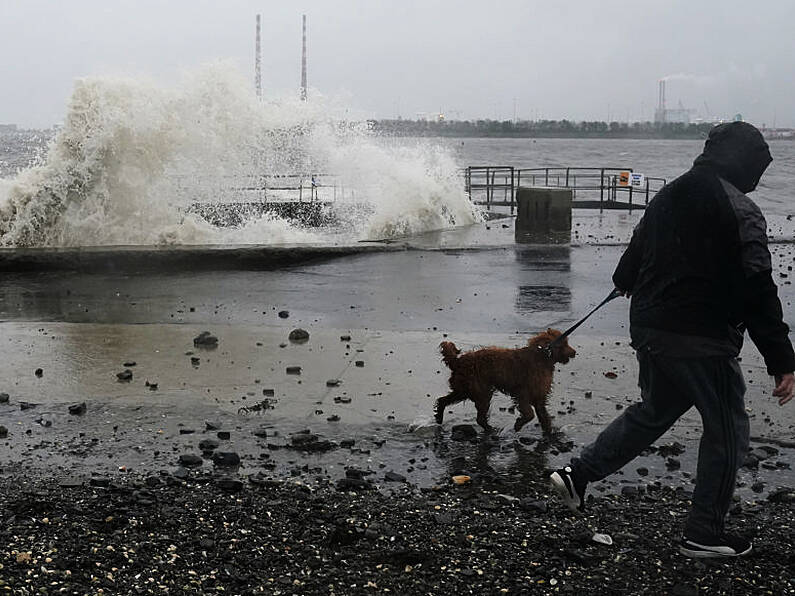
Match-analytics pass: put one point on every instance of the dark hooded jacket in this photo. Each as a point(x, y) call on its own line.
point(698, 266)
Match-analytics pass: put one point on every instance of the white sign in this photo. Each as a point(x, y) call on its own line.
point(636, 180)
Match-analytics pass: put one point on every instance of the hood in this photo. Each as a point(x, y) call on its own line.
point(738, 153)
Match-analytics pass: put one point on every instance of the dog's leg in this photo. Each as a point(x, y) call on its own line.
point(544, 418)
point(444, 401)
point(526, 414)
point(482, 406)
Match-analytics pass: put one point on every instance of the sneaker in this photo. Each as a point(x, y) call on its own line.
point(562, 482)
point(725, 545)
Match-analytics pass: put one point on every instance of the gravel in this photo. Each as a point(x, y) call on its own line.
point(211, 534)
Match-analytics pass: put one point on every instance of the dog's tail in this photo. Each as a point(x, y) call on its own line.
point(449, 354)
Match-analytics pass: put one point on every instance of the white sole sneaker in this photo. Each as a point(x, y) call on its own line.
point(563, 484)
point(695, 550)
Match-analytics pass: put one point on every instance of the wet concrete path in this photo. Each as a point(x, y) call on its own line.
point(474, 286)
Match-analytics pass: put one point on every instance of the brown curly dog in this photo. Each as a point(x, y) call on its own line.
point(523, 373)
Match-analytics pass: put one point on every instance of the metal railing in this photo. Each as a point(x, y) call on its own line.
point(482, 182)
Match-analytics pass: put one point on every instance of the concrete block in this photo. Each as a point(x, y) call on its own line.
point(542, 209)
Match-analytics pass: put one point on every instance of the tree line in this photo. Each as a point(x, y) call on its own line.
point(542, 128)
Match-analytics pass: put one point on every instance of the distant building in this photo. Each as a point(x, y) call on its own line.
point(664, 115)
point(7, 128)
point(678, 116)
point(778, 133)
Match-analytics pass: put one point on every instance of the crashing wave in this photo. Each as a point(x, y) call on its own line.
point(132, 158)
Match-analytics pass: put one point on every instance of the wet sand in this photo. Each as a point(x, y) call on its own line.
point(369, 374)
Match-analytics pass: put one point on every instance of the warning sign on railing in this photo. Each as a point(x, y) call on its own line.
point(623, 178)
point(636, 180)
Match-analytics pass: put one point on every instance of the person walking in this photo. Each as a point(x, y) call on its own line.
point(699, 274)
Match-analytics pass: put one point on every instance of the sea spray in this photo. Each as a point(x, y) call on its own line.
point(132, 157)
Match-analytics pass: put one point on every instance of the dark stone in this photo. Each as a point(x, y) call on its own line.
point(782, 495)
point(293, 370)
point(230, 484)
point(205, 340)
point(3, 432)
point(360, 363)
point(4, 397)
point(125, 376)
point(208, 444)
point(643, 471)
point(588, 394)
point(630, 491)
point(100, 482)
point(333, 383)
point(39, 372)
point(283, 314)
point(186, 431)
point(307, 441)
point(181, 473)
point(345, 338)
point(268, 392)
point(129, 364)
point(758, 486)
point(672, 463)
point(195, 360)
point(226, 459)
point(298, 335)
point(674, 448)
point(26, 405)
point(771, 451)
point(761, 454)
point(223, 435)
point(333, 418)
point(261, 433)
point(302, 438)
point(394, 477)
point(533, 506)
point(353, 484)
point(464, 432)
point(212, 425)
point(751, 462)
point(189, 460)
point(347, 443)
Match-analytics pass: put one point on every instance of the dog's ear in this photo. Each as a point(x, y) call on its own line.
point(541, 339)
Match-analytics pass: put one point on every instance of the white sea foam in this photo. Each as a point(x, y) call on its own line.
point(133, 156)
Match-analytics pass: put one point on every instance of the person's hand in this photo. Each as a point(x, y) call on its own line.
point(785, 384)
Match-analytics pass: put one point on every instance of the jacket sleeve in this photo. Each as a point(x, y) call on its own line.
point(629, 265)
point(762, 313)
point(765, 322)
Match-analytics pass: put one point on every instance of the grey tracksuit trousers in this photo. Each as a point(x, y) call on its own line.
point(669, 387)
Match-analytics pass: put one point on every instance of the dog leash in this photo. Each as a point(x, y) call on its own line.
point(548, 348)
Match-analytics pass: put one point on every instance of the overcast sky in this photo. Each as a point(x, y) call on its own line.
point(576, 59)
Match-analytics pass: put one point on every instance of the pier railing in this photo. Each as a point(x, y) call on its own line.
point(592, 188)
